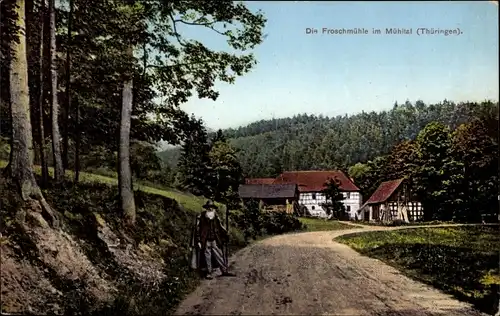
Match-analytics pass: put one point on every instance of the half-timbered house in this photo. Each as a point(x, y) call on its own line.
point(393, 200)
point(312, 183)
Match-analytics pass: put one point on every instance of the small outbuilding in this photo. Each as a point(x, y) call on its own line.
point(275, 197)
point(393, 200)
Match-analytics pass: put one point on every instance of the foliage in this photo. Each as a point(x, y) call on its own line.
point(401, 161)
point(334, 198)
point(166, 65)
point(254, 223)
point(194, 164)
point(275, 223)
point(458, 260)
point(478, 153)
point(437, 173)
point(454, 174)
point(309, 142)
point(370, 175)
point(227, 171)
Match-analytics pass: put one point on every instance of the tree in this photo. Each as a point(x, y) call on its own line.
point(124, 173)
point(67, 106)
point(144, 161)
point(194, 164)
point(438, 174)
point(54, 105)
point(41, 99)
point(334, 198)
point(227, 172)
point(219, 136)
point(21, 166)
point(370, 175)
point(401, 161)
point(478, 153)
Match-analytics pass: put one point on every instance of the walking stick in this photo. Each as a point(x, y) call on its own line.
point(227, 241)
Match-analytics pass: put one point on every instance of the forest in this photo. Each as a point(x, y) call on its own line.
point(81, 95)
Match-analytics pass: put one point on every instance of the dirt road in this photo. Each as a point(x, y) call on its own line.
point(310, 274)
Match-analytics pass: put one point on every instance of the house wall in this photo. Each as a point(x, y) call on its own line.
point(414, 209)
point(313, 200)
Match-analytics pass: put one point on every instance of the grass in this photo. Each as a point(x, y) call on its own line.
point(401, 223)
point(188, 201)
point(462, 261)
point(316, 224)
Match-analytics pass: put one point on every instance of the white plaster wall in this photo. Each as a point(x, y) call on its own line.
point(313, 202)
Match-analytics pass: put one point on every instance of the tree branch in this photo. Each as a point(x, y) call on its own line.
point(195, 22)
point(179, 39)
point(206, 24)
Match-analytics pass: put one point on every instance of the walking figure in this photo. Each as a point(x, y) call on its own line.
point(209, 235)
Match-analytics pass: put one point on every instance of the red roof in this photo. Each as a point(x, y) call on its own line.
point(260, 181)
point(314, 181)
point(384, 191)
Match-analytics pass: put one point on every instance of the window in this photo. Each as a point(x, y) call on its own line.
point(312, 208)
point(348, 208)
point(314, 196)
point(348, 195)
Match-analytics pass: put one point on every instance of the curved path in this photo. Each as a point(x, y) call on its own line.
point(310, 274)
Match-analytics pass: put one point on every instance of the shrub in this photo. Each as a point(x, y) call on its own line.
point(253, 222)
point(275, 223)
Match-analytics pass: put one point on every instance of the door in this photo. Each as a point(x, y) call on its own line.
point(376, 212)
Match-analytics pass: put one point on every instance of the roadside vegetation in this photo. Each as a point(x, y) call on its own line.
point(462, 261)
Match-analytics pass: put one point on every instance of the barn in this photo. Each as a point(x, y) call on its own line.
point(275, 197)
point(393, 200)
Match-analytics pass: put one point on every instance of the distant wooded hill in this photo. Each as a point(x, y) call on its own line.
point(309, 142)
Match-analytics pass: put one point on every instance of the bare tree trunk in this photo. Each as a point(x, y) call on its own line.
point(54, 106)
point(29, 11)
point(68, 87)
point(41, 100)
point(21, 168)
point(124, 172)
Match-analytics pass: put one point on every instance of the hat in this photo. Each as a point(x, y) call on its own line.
point(209, 205)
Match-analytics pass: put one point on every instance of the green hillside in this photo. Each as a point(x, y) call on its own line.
point(187, 200)
point(308, 142)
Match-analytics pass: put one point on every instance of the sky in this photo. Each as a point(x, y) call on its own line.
point(334, 74)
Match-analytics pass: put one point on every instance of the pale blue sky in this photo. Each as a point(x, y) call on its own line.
point(337, 74)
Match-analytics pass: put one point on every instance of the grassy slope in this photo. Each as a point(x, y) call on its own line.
point(186, 200)
point(462, 261)
point(162, 227)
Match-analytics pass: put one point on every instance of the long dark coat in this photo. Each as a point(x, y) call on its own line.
point(199, 234)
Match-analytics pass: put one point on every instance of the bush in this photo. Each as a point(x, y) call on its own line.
point(254, 223)
point(275, 223)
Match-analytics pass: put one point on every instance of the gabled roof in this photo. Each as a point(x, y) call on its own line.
point(260, 181)
point(384, 191)
point(267, 191)
point(314, 181)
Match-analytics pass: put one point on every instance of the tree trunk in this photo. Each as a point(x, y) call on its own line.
point(77, 142)
point(41, 100)
point(68, 87)
point(31, 56)
point(21, 167)
point(54, 106)
point(124, 172)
